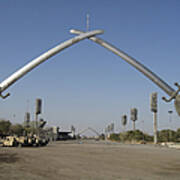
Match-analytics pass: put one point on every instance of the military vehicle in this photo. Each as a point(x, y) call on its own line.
point(10, 141)
point(22, 141)
point(39, 141)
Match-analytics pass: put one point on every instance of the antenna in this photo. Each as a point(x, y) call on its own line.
point(87, 22)
point(27, 107)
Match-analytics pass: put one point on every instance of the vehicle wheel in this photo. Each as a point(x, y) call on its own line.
point(19, 145)
point(37, 145)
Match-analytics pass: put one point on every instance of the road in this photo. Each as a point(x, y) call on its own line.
point(90, 160)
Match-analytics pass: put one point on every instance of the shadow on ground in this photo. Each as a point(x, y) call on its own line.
point(8, 158)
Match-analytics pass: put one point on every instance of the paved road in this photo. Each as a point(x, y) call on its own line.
point(90, 160)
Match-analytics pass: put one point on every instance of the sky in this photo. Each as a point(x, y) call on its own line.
point(86, 85)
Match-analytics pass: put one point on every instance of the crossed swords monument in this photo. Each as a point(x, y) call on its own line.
point(91, 35)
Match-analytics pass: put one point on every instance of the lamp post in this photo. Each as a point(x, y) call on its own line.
point(170, 120)
point(134, 117)
point(154, 110)
point(170, 113)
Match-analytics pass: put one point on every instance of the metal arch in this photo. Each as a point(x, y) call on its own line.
point(93, 130)
point(148, 73)
point(45, 56)
point(89, 128)
point(152, 76)
point(84, 130)
point(163, 85)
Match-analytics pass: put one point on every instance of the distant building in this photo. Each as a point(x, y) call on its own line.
point(55, 134)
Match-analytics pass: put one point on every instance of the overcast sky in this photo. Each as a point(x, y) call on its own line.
point(86, 85)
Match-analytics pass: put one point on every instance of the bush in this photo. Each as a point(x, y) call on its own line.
point(136, 135)
point(16, 129)
point(114, 137)
point(168, 135)
point(4, 127)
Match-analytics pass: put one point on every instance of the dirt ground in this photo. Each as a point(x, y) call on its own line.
point(89, 160)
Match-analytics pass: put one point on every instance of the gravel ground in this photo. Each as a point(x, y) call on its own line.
point(90, 160)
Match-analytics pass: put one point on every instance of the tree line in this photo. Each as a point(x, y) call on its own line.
point(166, 135)
point(7, 128)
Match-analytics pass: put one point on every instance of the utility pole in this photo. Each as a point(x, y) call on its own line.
point(154, 110)
point(155, 127)
point(124, 122)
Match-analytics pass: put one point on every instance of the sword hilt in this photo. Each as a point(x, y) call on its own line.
point(174, 94)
